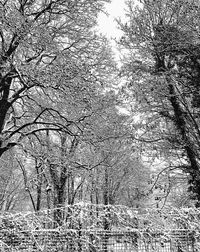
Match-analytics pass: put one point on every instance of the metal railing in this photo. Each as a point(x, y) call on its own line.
point(99, 228)
point(97, 241)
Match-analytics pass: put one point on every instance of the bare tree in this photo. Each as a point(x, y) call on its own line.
point(44, 46)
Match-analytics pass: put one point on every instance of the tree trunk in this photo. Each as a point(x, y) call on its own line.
point(181, 126)
point(106, 203)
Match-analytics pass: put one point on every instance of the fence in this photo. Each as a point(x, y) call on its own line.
point(111, 229)
point(94, 240)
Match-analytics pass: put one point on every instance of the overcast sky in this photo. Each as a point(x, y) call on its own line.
point(107, 25)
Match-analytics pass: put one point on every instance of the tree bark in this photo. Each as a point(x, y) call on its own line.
point(181, 126)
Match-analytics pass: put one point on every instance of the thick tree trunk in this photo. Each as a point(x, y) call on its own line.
point(179, 121)
point(5, 84)
point(39, 188)
point(181, 126)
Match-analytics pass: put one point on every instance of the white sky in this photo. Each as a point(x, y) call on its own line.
point(107, 25)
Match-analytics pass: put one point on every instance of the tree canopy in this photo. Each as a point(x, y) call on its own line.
point(63, 131)
point(162, 38)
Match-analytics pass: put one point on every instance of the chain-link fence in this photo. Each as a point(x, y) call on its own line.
point(96, 240)
point(89, 228)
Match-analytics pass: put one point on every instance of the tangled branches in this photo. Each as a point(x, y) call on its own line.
point(86, 227)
